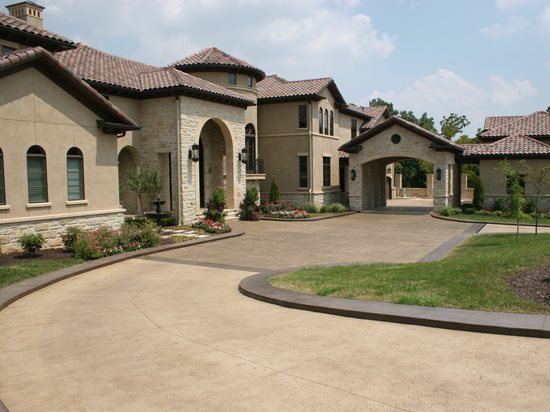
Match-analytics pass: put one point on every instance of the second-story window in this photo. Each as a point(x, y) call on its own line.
point(331, 123)
point(302, 116)
point(326, 121)
point(232, 78)
point(353, 128)
point(250, 81)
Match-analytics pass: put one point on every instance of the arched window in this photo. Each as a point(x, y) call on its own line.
point(2, 181)
point(75, 174)
point(320, 120)
point(331, 123)
point(326, 121)
point(36, 175)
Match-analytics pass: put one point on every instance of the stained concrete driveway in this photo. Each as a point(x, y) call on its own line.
point(170, 332)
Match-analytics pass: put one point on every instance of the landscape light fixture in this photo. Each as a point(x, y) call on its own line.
point(353, 174)
point(243, 156)
point(438, 174)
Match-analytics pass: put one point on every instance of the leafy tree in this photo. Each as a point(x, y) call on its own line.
point(548, 109)
point(453, 124)
point(413, 173)
point(516, 200)
point(465, 139)
point(539, 177)
point(380, 102)
point(148, 183)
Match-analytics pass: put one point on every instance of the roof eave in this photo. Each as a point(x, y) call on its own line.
point(23, 37)
point(284, 99)
point(190, 68)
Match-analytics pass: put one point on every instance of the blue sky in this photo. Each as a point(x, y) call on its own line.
point(472, 57)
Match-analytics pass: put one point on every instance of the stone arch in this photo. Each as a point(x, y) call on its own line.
point(128, 165)
point(389, 142)
point(217, 163)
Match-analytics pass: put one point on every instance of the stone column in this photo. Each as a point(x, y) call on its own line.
point(430, 185)
point(441, 186)
point(398, 184)
point(355, 186)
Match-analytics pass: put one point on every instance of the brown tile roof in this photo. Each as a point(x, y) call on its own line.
point(342, 155)
point(492, 122)
point(274, 87)
point(31, 35)
point(96, 66)
point(356, 111)
point(378, 114)
point(535, 125)
point(439, 141)
point(515, 145)
point(95, 101)
point(212, 57)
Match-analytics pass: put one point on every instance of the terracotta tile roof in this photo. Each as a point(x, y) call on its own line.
point(214, 57)
point(534, 124)
point(35, 54)
point(11, 23)
point(378, 114)
point(517, 145)
point(492, 122)
point(96, 66)
point(274, 87)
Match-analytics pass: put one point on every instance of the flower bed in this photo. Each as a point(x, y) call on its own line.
point(211, 226)
point(289, 214)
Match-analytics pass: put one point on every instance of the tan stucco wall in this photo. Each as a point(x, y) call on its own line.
point(35, 111)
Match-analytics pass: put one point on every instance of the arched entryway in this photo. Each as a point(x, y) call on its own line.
point(216, 166)
point(371, 153)
point(128, 165)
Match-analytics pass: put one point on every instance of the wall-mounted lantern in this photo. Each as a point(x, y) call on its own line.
point(243, 156)
point(438, 174)
point(353, 174)
point(388, 171)
point(194, 153)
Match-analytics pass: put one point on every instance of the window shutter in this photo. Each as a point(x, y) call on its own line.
point(36, 171)
point(75, 178)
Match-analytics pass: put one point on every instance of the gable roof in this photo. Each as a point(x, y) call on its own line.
point(213, 58)
point(377, 113)
point(439, 142)
point(118, 75)
point(113, 119)
point(492, 122)
point(18, 31)
point(511, 146)
point(536, 124)
point(356, 111)
point(275, 88)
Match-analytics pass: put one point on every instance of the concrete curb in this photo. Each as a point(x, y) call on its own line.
point(16, 291)
point(438, 216)
point(311, 219)
point(537, 326)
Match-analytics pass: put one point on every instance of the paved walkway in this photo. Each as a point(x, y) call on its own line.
point(171, 332)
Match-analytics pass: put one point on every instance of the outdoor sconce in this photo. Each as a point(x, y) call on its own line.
point(353, 174)
point(194, 153)
point(438, 174)
point(243, 156)
point(388, 171)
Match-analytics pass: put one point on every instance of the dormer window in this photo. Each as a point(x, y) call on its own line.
point(232, 78)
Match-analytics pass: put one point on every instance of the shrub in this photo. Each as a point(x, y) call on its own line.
point(70, 237)
point(478, 199)
point(499, 204)
point(268, 207)
point(274, 192)
point(138, 222)
point(211, 226)
point(248, 206)
point(337, 208)
point(450, 211)
point(169, 221)
point(134, 238)
point(83, 248)
point(308, 207)
point(469, 210)
point(324, 209)
point(215, 206)
point(31, 243)
point(465, 206)
point(530, 206)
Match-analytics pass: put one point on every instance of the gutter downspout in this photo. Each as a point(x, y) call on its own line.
point(179, 157)
point(310, 162)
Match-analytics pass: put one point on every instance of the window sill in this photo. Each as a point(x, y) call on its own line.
point(5, 207)
point(38, 205)
point(76, 202)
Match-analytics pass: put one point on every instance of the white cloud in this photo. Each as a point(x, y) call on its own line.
point(508, 5)
point(445, 91)
point(507, 93)
point(512, 26)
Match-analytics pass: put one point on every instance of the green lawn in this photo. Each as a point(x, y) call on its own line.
point(498, 219)
point(472, 277)
point(11, 273)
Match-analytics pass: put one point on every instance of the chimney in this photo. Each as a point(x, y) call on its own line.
point(27, 11)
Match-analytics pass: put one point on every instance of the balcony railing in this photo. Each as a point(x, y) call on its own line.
point(255, 166)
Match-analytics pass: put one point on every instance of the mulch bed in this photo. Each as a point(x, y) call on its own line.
point(45, 254)
point(533, 284)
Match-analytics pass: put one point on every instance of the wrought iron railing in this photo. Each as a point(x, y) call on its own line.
point(255, 166)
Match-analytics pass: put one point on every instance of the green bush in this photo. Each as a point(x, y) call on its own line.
point(450, 211)
point(169, 221)
point(248, 207)
point(70, 236)
point(324, 209)
point(274, 192)
point(308, 207)
point(134, 238)
point(469, 210)
point(216, 206)
point(83, 249)
point(530, 206)
point(139, 222)
point(337, 208)
point(478, 199)
point(31, 243)
point(499, 204)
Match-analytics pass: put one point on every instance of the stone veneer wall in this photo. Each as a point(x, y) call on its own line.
point(53, 229)
point(319, 199)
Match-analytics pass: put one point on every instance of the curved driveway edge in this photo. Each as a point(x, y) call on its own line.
point(310, 219)
point(537, 326)
point(16, 291)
